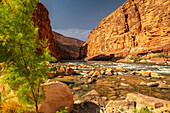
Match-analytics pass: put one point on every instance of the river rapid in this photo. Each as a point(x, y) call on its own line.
point(157, 67)
point(115, 87)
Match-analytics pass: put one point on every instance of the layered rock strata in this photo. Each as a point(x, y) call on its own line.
point(138, 27)
point(67, 47)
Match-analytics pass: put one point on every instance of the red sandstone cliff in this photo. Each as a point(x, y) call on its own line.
point(68, 47)
point(61, 47)
point(138, 27)
point(42, 21)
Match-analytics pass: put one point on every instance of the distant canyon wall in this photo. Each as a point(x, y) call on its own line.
point(68, 47)
point(138, 27)
point(61, 47)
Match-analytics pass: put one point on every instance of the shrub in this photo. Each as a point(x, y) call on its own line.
point(162, 55)
point(24, 69)
point(135, 58)
point(13, 107)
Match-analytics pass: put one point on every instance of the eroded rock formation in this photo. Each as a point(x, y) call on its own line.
point(68, 47)
point(42, 21)
point(138, 27)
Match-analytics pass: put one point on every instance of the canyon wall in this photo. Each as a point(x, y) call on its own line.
point(67, 46)
point(138, 27)
point(61, 47)
point(42, 21)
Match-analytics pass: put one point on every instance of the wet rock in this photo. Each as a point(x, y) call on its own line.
point(152, 84)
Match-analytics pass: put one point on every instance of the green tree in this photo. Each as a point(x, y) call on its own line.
point(23, 69)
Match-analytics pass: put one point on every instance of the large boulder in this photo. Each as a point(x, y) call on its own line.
point(58, 95)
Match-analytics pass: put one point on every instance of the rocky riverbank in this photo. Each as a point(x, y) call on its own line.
point(101, 85)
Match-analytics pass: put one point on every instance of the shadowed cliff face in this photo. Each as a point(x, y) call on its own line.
point(138, 27)
point(42, 21)
point(61, 47)
point(68, 47)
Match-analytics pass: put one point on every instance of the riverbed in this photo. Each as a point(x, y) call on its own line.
point(115, 87)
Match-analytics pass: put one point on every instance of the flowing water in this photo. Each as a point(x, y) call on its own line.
point(159, 68)
point(110, 86)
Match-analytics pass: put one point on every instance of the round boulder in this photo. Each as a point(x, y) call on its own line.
point(58, 95)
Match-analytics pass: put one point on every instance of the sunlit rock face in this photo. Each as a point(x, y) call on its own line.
point(68, 47)
point(42, 21)
point(138, 27)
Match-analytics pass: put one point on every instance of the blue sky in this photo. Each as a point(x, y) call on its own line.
point(76, 18)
